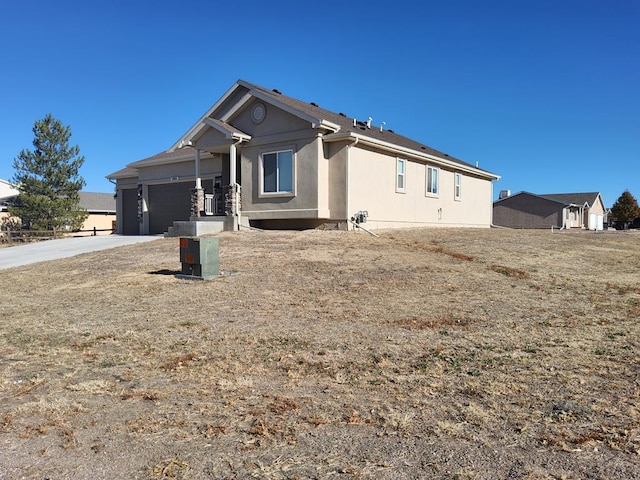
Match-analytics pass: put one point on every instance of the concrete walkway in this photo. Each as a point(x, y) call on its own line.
point(63, 248)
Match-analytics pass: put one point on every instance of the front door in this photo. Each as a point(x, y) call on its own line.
point(218, 196)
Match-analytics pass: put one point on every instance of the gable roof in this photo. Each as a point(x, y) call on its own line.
point(573, 198)
point(340, 126)
point(95, 202)
point(563, 199)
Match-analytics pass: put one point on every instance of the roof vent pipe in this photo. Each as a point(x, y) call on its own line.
point(369, 122)
point(355, 122)
point(382, 125)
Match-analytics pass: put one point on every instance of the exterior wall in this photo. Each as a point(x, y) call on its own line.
point(527, 211)
point(337, 154)
point(305, 202)
point(597, 207)
point(184, 171)
point(595, 215)
point(372, 187)
point(99, 221)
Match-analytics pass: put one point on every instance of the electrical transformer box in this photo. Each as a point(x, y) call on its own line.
point(199, 257)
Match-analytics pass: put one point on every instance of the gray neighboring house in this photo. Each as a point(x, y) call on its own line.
point(561, 210)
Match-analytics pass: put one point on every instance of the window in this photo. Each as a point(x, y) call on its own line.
point(401, 168)
point(457, 185)
point(432, 181)
point(277, 172)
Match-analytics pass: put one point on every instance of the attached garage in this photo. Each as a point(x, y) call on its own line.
point(130, 222)
point(171, 202)
point(167, 203)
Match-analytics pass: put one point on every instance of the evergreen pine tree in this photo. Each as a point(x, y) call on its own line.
point(48, 179)
point(625, 210)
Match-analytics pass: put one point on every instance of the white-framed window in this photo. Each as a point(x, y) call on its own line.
point(401, 175)
point(432, 180)
point(457, 186)
point(278, 172)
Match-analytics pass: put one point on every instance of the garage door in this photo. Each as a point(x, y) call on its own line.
point(130, 225)
point(168, 203)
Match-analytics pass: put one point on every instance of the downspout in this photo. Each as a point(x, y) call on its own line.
point(348, 178)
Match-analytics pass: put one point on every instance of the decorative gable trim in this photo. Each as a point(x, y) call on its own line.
point(314, 121)
point(227, 130)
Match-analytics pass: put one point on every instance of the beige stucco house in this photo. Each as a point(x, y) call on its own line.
point(561, 210)
point(262, 159)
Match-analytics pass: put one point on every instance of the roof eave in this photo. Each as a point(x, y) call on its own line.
point(198, 125)
point(229, 134)
point(346, 136)
point(183, 157)
point(314, 121)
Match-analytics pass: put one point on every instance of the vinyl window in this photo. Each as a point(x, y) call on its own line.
point(277, 172)
point(401, 172)
point(457, 186)
point(432, 180)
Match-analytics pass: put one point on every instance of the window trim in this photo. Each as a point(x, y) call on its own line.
point(431, 193)
point(457, 186)
point(403, 175)
point(292, 193)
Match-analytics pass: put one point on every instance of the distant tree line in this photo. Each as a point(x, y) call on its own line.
point(625, 210)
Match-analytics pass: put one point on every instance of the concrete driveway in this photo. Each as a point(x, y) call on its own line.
point(64, 247)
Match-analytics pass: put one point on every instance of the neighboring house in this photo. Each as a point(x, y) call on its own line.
point(101, 208)
point(561, 210)
point(260, 158)
point(7, 190)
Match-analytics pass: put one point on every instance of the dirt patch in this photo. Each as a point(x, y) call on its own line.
point(445, 354)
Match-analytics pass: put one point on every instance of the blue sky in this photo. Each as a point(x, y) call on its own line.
point(545, 94)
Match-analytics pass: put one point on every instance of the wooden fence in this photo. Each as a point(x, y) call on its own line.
point(26, 236)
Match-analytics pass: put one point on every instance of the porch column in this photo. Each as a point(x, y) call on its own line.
point(234, 194)
point(232, 165)
point(197, 194)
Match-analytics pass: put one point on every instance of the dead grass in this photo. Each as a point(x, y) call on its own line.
point(444, 354)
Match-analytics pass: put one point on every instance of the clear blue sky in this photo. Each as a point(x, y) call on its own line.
point(544, 93)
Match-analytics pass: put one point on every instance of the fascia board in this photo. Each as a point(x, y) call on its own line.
point(165, 161)
point(315, 122)
point(226, 132)
point(118, 176)
point(239, 104)
point(408, 152)
point(199, 124)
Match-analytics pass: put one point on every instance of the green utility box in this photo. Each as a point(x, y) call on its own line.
point(199, 257)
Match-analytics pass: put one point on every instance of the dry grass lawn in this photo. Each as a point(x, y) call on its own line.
point(441, 354)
